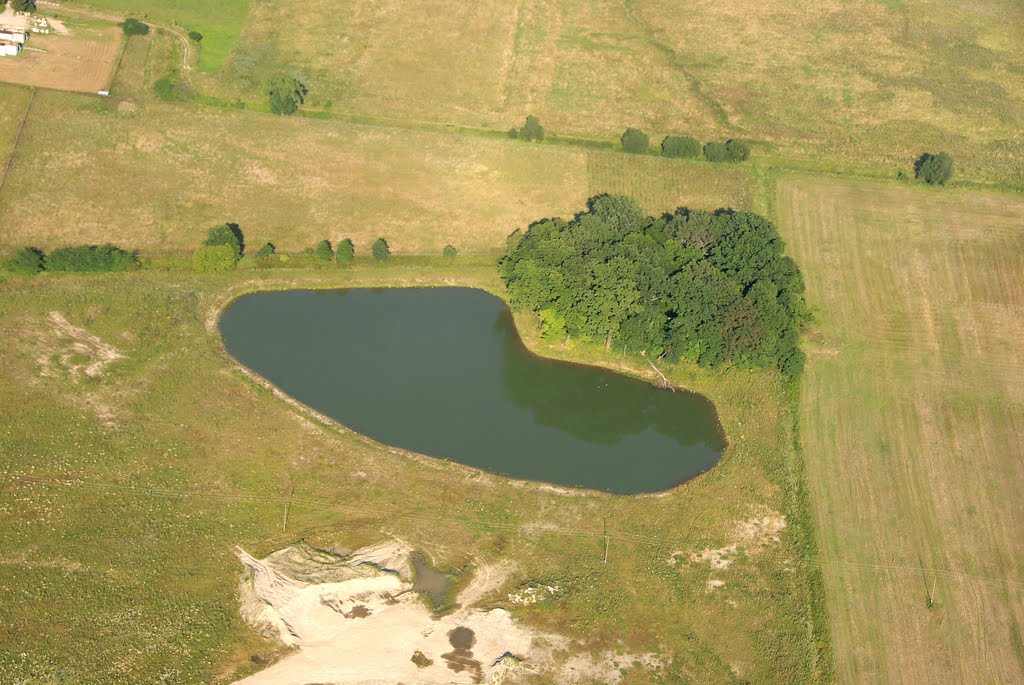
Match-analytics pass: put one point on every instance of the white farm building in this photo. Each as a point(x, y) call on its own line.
point(13, 36)
point(10, 48)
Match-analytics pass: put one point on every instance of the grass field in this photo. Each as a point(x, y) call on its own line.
point(155, 177)
point(912, 414)
point(867, 85)
point(220, 22)
point(83, 61)
point(124, 492)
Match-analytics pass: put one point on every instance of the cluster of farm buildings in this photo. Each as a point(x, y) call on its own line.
point(11, 41)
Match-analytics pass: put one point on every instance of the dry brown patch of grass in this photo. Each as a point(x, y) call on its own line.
point(82, 62)
point(861, 84)
point(295, 181)
point(912, 429)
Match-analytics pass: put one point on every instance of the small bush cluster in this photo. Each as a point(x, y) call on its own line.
point(286, 94)
point(730, 151)
point(77, 259)
point(680, 146)
point(637, 142)
point(134, 27)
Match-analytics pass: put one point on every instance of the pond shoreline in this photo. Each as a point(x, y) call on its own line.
point(525, 336)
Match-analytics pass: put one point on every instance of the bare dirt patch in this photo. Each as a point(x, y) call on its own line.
point(83, 61)
point(74, 351)
point(356, 619)
point(749, 537)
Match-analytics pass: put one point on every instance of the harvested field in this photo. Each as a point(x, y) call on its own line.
point(295, 181)
point(912, 413)
point(83, 62)
point(835, 83)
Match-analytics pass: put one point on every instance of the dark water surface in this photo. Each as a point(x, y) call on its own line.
point(442, 371)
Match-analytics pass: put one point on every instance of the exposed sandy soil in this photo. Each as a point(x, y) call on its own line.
point(749, 537)
point(355, 619)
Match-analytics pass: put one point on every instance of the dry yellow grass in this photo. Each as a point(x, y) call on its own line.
point(81, 62)
point(864, 83)
point(13, 102)
point(912, 414)
point(155, 177)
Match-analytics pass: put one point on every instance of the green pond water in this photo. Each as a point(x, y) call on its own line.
point(442, 371)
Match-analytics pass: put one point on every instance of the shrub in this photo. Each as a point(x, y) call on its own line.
point(380, 249)
point(680, 146)
point(934, 169)
point(196, 36)
point(513, 133)
point(346, 251)
point(716, 152)
point(91, 258)
point(22, 5)
point(227, 234)
point(214, 258)
point(532, 130)
point(636, 141)
point(134, 27)
point(28, 261)
point(286, 94)
point(266, 251)
point(323, 251)
point(449, 252)
point(737, 150)
point(166, 88)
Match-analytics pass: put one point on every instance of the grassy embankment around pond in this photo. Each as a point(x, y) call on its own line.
point(126, 489)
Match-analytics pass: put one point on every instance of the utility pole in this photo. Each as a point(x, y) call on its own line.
point(606, 540)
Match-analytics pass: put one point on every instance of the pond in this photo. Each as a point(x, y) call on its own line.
point(443, 372)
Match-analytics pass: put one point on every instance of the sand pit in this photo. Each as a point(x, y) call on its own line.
point(355, 619)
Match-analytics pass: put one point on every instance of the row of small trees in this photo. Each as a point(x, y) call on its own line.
point(637, 142)
point(29, 261)
point(224, 249)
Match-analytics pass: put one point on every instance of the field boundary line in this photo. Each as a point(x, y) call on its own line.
point(17, 139)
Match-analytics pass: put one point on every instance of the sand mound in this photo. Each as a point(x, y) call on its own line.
point(355, 619)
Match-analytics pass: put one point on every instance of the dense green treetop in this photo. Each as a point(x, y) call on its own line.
point(227, 234)
point(285, 94)
point(713, 287)
point(346, 251)
point(532, 130)
point(934, 169)
point(636, 141)
point(380, 249)
point(680, 146)
point(214, 258)
point(26, 261)
point(134, 27)
point(323, 251)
